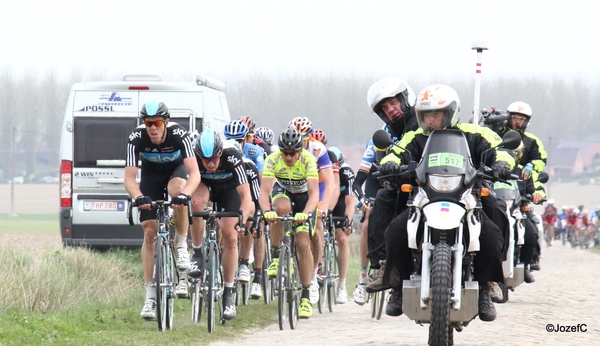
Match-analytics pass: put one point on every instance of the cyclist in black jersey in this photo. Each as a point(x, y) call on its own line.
point(169, 168)
point(344, 206)
point(224, 182)
point(258, 241)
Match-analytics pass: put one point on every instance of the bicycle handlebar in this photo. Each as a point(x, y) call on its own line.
point(155, 205)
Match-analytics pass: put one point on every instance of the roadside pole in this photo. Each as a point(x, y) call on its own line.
point(479, 46)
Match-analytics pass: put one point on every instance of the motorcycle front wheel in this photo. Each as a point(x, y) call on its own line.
point(441, 285)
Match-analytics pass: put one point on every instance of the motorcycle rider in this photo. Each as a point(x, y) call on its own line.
point(393, 100)
point(534, 156)
point(438, 107)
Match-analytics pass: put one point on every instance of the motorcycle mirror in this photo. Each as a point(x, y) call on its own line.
point(511, 140)
point(543, 177)
point(382, 139)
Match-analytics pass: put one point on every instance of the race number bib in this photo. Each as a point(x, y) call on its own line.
point(446, 159)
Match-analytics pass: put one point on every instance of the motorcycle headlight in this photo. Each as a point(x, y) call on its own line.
point(444, 183)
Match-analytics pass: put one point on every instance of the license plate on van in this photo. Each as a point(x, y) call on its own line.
point(103, 205)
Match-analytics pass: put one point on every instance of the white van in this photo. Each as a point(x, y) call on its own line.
point(98, 120)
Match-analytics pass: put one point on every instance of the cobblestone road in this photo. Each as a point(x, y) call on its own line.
point(566, 293)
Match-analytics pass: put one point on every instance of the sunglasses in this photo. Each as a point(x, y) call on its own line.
point(290, 153)
point(211, 159)
point(157, 123)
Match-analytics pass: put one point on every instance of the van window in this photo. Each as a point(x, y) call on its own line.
point(101, 139)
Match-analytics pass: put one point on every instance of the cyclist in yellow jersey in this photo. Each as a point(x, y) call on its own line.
point(290, 176)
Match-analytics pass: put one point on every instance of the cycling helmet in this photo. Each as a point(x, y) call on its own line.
point(265, 134)
point(550, 201)
point(154, 109)
point(246, 119)
point(338, 154)
point(438, 97)
point(520, 108)
point(382, 90)
point(303, 125)
point(290, 139)
point(236, 129)
point(208, 145)
point(319, 135)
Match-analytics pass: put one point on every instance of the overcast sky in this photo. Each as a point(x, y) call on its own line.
point(231, 38)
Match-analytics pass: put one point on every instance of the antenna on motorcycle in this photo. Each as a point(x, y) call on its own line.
point(381, 140)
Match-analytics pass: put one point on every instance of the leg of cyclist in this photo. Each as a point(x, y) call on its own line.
point(317, 253)
point(180, 219)
point(259, 256)
point(345, 206)
point(305, 259)
point(230, 262)
point(246, 247)
point(360, 294)
point(282, 206)
point(199, 200)
point(149, 311)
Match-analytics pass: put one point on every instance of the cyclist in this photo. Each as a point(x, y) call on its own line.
point(266, 135)
point(344, 206)
point(224, 182)
point(319, 135)
point(445, 113)
point(251, 138)
point(328, 192)
point(168, 166)
point(368, 166)
point(549, 218)
point(290, 181)
point(238, 131)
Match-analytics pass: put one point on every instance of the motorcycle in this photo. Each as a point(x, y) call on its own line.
point(442, 290)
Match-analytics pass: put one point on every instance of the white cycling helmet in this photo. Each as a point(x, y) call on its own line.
point(390, 87)
point(438, 97)
point(550, 201)
point(520, 108)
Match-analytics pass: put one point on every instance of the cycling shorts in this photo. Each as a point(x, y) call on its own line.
point(154, 185)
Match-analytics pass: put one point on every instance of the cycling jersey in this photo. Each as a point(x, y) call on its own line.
point(230, 173)
point(293, 179)
point(255, 153)
point(252, 174)
point(162, 157)
point(550, 215)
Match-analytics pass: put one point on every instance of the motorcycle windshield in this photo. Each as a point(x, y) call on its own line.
point(446, 153)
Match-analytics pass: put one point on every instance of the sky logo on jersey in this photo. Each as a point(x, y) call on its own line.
point(233, 159)
point(444, 209)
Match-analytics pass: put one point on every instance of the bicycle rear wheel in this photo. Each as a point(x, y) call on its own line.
point(172, 279)
point(283, 282)
point(212, 297)
point(160, 283)
point(334, 278)
point(294, 293)
point(325, 271)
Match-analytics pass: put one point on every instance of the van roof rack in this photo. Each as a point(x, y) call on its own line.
point(142, 77)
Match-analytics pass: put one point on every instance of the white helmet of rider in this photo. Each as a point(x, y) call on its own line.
point(390, 87)
point(438, 97)
point(520, 108)
point(550, 201)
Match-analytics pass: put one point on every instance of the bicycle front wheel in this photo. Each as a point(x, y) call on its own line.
point(196, 299)
point(172, 279)
point(213, 289)
point(159, 281)
point(334, 278)
point(283, 282)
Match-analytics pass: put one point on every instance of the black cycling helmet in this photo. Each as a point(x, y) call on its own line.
point(154, 109)
point(290, 139)
point(208, 145)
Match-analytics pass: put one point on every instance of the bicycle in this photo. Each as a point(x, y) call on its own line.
point(330, 276)
point(267, 283)
point(288, 285)
point(376, 299)
point(210, 286)
point(165, 275)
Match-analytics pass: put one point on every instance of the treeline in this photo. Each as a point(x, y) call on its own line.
point(34, 105)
